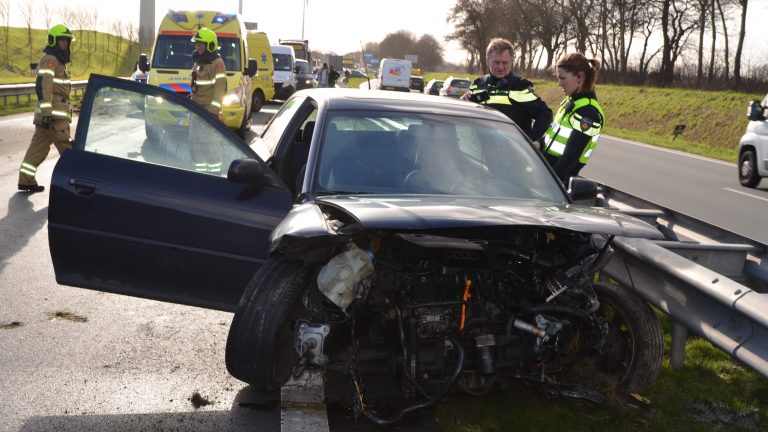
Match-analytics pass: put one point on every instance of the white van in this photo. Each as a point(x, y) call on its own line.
point(394, 74)
point(753, 146)
point(284, 77)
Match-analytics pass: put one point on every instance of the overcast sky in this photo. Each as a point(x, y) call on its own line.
point(340, 25)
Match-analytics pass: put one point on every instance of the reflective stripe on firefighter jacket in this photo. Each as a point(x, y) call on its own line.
point(52, 87)
point(209, 85)
point(568, 121)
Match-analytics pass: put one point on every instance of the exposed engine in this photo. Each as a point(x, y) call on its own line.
point(455, 309)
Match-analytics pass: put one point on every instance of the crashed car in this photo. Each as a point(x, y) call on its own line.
point(366, 233)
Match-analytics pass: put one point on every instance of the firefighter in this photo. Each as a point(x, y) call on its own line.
point(512, 95)
point(573, 135)
point(209, 85)
point(53, 113)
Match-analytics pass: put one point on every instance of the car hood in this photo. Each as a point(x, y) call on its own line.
point(436, 212)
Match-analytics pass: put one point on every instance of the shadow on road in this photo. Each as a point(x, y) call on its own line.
point(19, 224)
point(244, 415)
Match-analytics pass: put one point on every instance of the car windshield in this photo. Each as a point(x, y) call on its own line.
point(175, 52)
point(303, 67)
point(420, 153)
point(282, 62)
point(464, 84)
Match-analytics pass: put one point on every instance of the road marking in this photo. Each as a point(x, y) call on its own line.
point(745, 193)
point(677, 152)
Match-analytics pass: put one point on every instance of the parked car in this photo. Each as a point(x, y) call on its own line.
point(417, 83)
point(455, 87)
point(433, 87)
point(407, 205)
point(354, 73)
point(304, 77)
point(753, 145)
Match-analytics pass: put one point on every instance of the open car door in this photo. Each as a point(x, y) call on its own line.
point(145, 208)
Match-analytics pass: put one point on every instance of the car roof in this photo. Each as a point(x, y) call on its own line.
point(380, 100)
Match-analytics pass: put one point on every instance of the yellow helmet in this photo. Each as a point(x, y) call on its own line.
point(59, 31)
point(208, 37)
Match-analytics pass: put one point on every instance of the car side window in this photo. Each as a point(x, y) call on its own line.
point(150, 129)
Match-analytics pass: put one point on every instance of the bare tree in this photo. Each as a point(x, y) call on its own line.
point(397, 44)
point(475, 23)
point(5, 17)
point(430, 52)
point(27, 10)
point(46, 12)
point(548, 26)
point(705, 11)
point(725, 38)
point(676, 25)
point(740, 44)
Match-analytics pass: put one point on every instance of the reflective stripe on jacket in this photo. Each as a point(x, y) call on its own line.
point(52, 87)
point(568, 121)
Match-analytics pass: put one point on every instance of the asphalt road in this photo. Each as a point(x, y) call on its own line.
point(79, 360)
point(704, 188)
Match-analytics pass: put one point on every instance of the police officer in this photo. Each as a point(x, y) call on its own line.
point(573, 135)
point(512, 95)
point(53, 113)
point(209, 85)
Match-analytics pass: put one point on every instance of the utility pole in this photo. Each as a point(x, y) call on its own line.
point(303, 14)
point(146, 23)
point(240, 8)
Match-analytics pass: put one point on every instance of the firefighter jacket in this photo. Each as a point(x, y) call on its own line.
point(573, 134)
point(209, 81)
point(515, 97)
point(53, 86)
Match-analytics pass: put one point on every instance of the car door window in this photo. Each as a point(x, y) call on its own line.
point(277, 126)
point(152, 129)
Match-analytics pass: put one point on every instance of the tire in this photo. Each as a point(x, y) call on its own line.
point(748, 175)
point(260, 348)
point(635, 344)
point(258, 102)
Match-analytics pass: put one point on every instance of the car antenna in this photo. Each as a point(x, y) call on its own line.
point(367, 76)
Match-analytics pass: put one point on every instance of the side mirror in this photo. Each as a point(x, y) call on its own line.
point(582, 189)
point(143, 63)
point(253, 68)
point(755, 111)
point(246, 171)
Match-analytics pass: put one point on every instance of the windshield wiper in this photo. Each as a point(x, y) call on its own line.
point(340, 192)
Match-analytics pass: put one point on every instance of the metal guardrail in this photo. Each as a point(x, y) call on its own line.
point(707, 279)
point(18, 90)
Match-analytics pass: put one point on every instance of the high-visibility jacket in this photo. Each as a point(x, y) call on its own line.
point(575, 117)
point(209, 84)
point(52, 87)
point(514, 96)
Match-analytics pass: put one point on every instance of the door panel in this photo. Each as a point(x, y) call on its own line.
point(156, 217)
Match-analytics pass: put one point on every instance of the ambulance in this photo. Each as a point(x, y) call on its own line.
point(171, 65)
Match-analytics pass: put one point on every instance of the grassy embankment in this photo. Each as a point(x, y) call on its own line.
point(99, 58)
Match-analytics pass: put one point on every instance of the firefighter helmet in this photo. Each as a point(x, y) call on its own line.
point(208, 37)
point(59, 31)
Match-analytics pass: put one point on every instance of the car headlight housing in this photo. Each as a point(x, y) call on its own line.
point(232, 98)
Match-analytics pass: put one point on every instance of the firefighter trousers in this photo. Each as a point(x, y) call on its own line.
point(56, 134)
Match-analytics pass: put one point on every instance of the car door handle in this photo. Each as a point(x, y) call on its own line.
point(83, 187)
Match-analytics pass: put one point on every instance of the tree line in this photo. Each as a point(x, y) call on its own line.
point(699, 47)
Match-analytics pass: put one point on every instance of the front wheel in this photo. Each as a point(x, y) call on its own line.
point(632, 348)
point(257, 103)
point(748, 175)
point(260, 347)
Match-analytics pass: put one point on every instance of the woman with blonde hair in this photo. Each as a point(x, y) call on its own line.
point(574, 132)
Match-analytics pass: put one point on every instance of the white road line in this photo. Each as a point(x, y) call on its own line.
point(745, 193)
point(677, 152)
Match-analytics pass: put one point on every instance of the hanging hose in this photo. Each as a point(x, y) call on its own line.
point(430, 402)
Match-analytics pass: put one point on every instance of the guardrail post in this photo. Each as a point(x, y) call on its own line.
point(677, 347)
